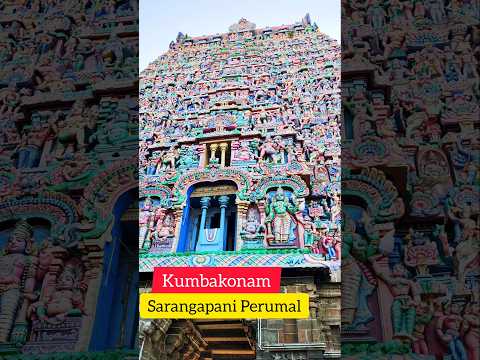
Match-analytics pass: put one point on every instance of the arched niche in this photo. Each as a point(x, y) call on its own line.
point(370, 206)
point(293, 182)
point(211, 175)
point(41, 230)
point(208, 217)
point(55, 210)
point(102, 194)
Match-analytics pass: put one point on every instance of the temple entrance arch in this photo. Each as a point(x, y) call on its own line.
point(209, 219)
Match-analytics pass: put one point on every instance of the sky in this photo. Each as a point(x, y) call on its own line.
point(162, 20)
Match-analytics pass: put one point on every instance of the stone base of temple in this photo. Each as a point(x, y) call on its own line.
point(47, 337)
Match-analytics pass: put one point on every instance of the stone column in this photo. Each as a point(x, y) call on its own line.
point(202, 150)
point(223, 149)
point(213, 151)
point(261, 209)
point(205, 202)
point(242, 209)
point(223, 200)
point(178, 215)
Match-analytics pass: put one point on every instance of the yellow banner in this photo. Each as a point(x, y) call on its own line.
point(224, 306)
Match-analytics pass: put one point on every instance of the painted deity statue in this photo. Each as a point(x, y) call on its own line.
point(280, 220)
point(252, 227)
point(14, 264)
point(310, 231)
point(271, 151)
point(164, 230)
point(466, 233)
point(168, 160)
point(66, 300)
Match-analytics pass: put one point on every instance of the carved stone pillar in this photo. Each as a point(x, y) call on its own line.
point(205, 203)
point(178, 214)
point(213, 151)
point(242, 209)
point(223, 151)
point(202, 150)
point(223, 201)
point(261, 210)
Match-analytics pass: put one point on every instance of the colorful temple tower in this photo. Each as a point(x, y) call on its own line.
point(239, 166)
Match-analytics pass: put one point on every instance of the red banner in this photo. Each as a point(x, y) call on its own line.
point(216, 280)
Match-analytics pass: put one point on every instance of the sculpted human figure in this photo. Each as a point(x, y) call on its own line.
point(153, 347)
point(65, 300)
point(449, 328)
point(351, 272)
point(14, 264)
point(424, 315)
point(168, 159)
point(75, 168)
point(164, 230)
point(71, 131)
point(406, 294)
point(420, 252)
point(393, 42)
point(280, 220)
point(310, 231)
point(252, 227)
point(31, 144)
point(244, 152)
point(10, 100)
point(270, 150)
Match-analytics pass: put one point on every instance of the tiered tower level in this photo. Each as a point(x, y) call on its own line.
point(239, 154)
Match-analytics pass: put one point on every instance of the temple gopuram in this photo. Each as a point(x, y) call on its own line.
point(68, 179)
point(239, 166)
point(410, 192)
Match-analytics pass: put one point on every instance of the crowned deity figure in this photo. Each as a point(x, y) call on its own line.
point(252, 226)
point(163, 232)
point(15, 266)
point(280, 220)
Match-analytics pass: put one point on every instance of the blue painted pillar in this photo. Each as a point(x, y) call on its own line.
point(223, 201)
point(205, 202)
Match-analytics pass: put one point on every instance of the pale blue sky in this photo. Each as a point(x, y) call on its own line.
point(161, 20)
